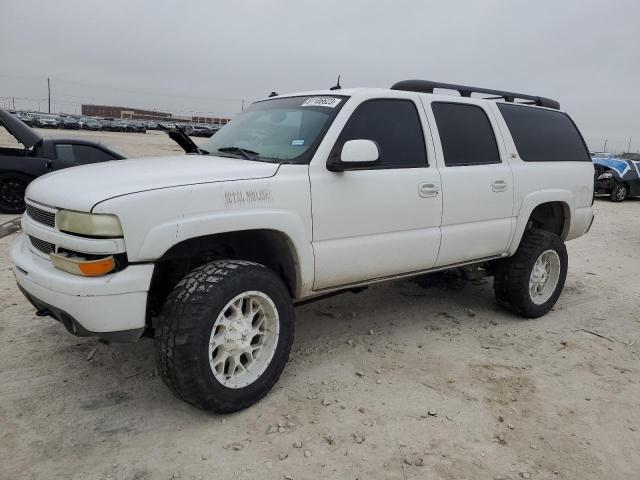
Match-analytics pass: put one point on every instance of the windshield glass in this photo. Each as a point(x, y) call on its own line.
point(282, 129)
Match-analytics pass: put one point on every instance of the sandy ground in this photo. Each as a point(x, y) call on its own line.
point(405, 380)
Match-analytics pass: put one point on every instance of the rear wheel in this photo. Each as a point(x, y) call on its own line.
point(12, 188)
point(225, 334)
point(530, 282)
point(619, 193)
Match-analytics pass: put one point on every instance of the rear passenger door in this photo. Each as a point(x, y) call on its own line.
point(477, 182)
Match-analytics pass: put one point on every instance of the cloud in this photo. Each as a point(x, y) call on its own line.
point(208, 56)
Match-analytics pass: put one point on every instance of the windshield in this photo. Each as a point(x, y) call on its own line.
point(282, 129)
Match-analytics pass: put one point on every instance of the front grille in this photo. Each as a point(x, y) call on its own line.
point(41, 216)
point(44, 247)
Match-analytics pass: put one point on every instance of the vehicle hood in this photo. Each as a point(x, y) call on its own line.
point(22, 132)
point(81, 188)
point(620, 166)
point(179, 136)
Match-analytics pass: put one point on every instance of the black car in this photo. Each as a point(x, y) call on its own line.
point(38, 156)
point(618, 177)
point(88, 123)
point(68, 123)
point(140, 127)
point(112, 125)
point(202, 130)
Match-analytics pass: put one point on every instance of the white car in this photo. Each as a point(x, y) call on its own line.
point(301, 196)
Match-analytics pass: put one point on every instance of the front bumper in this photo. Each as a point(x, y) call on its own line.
point(102, 306)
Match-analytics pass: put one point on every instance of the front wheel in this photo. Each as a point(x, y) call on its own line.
point(12, 189)
point(619, 193)
point(530, 282)
point(224, 335)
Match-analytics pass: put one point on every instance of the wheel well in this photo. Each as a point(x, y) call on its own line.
point(267, 247)
point(552, 217)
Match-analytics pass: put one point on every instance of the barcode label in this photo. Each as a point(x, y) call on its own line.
point(330, 102)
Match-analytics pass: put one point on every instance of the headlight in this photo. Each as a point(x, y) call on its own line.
point(90, 224)
point(605, 175)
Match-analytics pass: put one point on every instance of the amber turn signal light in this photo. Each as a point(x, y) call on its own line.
point(86, 268)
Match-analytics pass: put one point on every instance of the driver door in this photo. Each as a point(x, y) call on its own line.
point(379, 221)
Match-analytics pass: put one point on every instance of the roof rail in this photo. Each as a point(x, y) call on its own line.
point(427, 86)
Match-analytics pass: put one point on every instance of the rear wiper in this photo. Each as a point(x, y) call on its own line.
point(247, 154)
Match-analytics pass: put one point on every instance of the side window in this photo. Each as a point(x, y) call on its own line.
point(466, 134)
point(65, 152)
point(87, 154)
point(544, 135)
point(395, 126)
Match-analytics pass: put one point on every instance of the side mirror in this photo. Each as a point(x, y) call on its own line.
point(356, 154)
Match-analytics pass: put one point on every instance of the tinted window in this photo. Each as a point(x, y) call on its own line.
point(466, 134)
point(395, 126)
point(82, 154)
point(543, 135)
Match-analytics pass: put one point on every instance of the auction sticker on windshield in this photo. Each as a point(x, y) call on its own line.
point(330, 102)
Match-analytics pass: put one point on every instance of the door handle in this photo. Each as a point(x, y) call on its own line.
point(426, 190)
point(499, 185)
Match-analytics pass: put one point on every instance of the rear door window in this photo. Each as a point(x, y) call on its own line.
point(542, 135)
point(466, 134)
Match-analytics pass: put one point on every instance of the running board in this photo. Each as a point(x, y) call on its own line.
point(349, 286)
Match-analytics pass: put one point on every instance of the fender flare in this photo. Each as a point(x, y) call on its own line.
point(531, 201)
point(163, 237)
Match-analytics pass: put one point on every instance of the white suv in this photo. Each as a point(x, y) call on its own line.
point(301, 196)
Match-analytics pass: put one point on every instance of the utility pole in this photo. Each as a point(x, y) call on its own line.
point(49, 93)
point(629, 147)
point(13, 101)
point(604, 149)
point(243, 104)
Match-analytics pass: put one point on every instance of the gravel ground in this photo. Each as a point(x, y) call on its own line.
point(409, 379)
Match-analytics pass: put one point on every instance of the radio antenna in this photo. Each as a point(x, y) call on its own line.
point(337, 85)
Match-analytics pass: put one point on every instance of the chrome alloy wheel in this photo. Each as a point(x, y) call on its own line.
point(544, 277)
point(244, 339)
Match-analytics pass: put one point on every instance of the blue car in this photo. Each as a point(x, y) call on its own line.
point(616, 176)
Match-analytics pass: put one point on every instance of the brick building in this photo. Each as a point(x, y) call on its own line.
point(110, 111)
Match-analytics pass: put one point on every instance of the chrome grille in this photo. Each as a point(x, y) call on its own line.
point(41, 216)
point(44, 247)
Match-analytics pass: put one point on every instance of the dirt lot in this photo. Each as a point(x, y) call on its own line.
point(405, 380)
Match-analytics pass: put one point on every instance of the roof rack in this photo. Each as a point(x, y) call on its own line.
point(427, 86)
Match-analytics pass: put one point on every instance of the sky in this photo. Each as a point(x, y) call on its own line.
point(211, 57)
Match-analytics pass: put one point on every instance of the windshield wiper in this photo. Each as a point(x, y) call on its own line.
point(247, 154)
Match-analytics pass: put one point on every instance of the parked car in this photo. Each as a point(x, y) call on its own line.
point(202, 131)
point(111, 125)
point(616, 177)
point(138, 127)
point(45, 121)
point(89, 123)
point(26, 117)
point(68, 123)
point(207, 253)
point(20, 166)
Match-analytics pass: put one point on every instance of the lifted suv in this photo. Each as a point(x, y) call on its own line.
point(301, 196)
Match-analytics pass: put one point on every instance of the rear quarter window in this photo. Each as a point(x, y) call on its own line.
point(544, 135)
